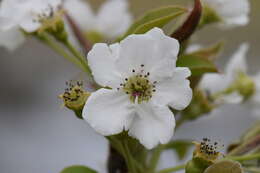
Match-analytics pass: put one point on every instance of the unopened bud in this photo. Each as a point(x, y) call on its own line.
point(209, 16)
point(75, 97)
point(245, 85)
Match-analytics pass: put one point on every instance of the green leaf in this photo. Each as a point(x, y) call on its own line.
point(155, 18)
point(78, 169)
point(225, 166)
point(180, 146)
point(209, 53)
point(197, 65)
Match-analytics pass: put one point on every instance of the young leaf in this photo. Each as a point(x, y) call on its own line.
point(155, 18)
point(225, 166)
point(197, 65)
point(180, 146)
point(78, 169)
point(209, 53)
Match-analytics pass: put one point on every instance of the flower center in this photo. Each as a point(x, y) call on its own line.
point(74, 96)
point(207, 150)
point(138, 86)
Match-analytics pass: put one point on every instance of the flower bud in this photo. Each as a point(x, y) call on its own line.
point(75, 97)
point(209, 16)
point(245, 85)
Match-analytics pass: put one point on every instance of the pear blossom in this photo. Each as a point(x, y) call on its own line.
point(231, 12)
point(111, 21)
point(218, 85)
point(141, 80)
point(26, 14)
point(247, 89)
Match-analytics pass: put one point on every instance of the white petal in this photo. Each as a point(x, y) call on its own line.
point(175, 91)
point(108, 111)
point(238, 16)
point(81, 12)
point(101, 60)
point(152, 125)
point(233, 98)
point(28, 25)
point(213, 82)
point(113, 18)
point(12, 38)
point(149, 49)
point(237, 62)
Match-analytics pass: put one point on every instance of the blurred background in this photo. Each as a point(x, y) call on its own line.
point(38, 135)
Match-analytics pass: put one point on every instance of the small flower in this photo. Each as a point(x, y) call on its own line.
point(111, 21)
point(207, 150)
point(12, 38)
point(230, 12)
point(144, 81)
point(234, 85)
point(29, 15)
point(205, 154)
point(75, 97)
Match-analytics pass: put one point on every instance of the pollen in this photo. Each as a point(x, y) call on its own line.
point(49, 19)
point(138, 87)
point(207, 149)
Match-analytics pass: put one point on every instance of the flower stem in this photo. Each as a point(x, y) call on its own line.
point(129, 158)
point(173, 169)
point(245, 157)
point(155, 157)
point(57, 48)
point(78, 56)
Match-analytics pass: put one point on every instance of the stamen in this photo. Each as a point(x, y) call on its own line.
point(138, 86)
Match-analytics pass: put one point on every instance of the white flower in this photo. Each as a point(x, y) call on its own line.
point(112, 19)
point(144, 81)
point(26, 14)
point(231, 12)
point(219, 83)
point(12, 38)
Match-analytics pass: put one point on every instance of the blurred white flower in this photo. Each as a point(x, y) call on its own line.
point(144, 81)
point(111, 21)
point(219, 84)
point(12, 38)
point(231, 12)
point(26, 14)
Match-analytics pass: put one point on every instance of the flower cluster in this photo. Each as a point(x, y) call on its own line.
point(144, 83)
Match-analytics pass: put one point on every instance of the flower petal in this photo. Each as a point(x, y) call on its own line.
point(213, 82)
point(238, 16)
point(101, 60)
point(113, 18)
point(7, 38)
point(148, 49)
point(81, 12)
point(152, 125)
point(108, 111)
point(237, 62)
point(174, 91)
